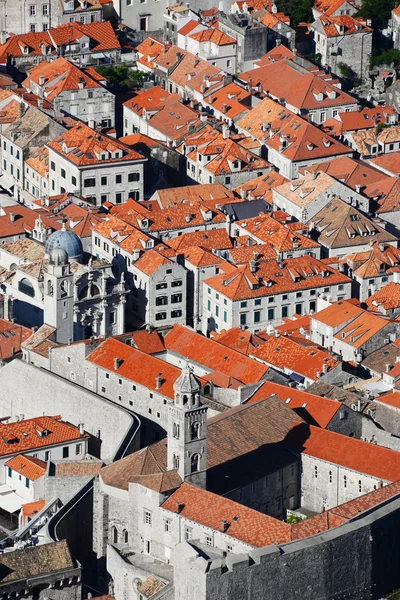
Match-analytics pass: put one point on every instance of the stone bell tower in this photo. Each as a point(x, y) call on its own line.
point(187, 430)
point(58, 295)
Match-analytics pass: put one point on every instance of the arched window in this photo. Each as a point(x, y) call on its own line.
point(184, 400)
point(195, 431)
point(195, 463)
point(25, 287)
point(125, 536)
point(176, 461)
point(64, 287)
point(176, 430)
point(114, 535)
point(49, 288)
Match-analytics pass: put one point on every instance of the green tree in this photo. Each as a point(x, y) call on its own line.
point(379, 11)
point(298, 10)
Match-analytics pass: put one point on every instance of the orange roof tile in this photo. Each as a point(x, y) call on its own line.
point(199, 349)
point(387, 298)
point(245, 524)
point(28, 466)
point(27, 435)
point(32, 508)
point(348, 452)
point(338, 313)
point(361, 329)
point(136, 366)
point(315, 410)
point(12, 336)
point(284, 353)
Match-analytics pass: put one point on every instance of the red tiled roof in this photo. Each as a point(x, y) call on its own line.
point(12, 337)
point(315, 410)
point(285, 353)
point(345, 451)
point(245, 524)
point(387, 298)
point(338, 313)
point(136, 366)
point(148, 342)
point(32, 508)
point(82, 145)
point(199, 349)
point(28, 466)
point(24, 436)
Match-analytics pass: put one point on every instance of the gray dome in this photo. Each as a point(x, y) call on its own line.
point(187, 382)
point(58, 256)
point(66, 240)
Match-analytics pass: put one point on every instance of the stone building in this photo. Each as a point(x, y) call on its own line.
point(159, 290)
point(18, 17)
point(95, 166)
point(251, 37)
point(396, 27)
point(73, 92)
point(33, 570)
point(343, 40)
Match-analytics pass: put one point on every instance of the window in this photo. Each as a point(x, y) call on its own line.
point(257, 316)
point(104, 180)
point(27, 482)
point(359, 486)
point(90, 182)
point(243, 304)
point(315, 471)
point(133, 177)
point(176, 461)
point(227, 180)
point(208, 540)
point(194, 463)
point(161, 286)
point(257, 302)
point(63, 174)
point(217, 311)
point(113, 317)
point(114, 535)
point(345, 481)
point(176, 313)
point(73, 180)
point(9, 471)
point(299, 294)
point(32, 11)
point(176, 430)
point(330, 477)
point(167, 525)
point(188, 533)
point(143, 23)
point(195, 430)
point(175, 298)
point(225, 316)
point(176, 283)
point(271, 314)
point(243, 318)
point(118, 178)
point(47, 455)
point(66, 452)
point(78, 449)
point(147, 517)
point(161, 316)
point(118, 198)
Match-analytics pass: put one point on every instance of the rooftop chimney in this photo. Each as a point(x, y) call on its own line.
point(158, 381)
point(12, 217)
point(117, 363)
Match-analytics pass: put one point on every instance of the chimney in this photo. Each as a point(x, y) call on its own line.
point(358, 188)
point(225, 131)
point(224, 526)
point(381, 247)
point(40, 103)
point(42, 80)
point(158, 381)
point(179, 507)
point(81, 429)
point(12, 217)
point(325, 368)
point(117, 363)
point(203, 117)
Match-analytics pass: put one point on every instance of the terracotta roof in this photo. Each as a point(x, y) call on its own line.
point(83, 146)
point(315, 410)
point(150, 261)
point(150, 586)
point(146, 467)
point(267, 230)
point(365, 140)
point(28, 466)
point(245, 524)
point(261, 187)
point(213, 239)
point(187, 65)
point(232, 100)
point(241, 340)
point(337, 313)
point(388, 162)
point(30, 509)
point(100, 34)
point(59, 75)
point(345, 451)
point(149, 49)
point(270, 278)
point(148, 342)
point(342, 25)
point(136, 366)
point(341, 225)
point(284, 353)
point(127, 237)
point(213, 36)
point(199, 349)
point(39, 161)
point(169, 197)
point(349, 171)
point(12, 337)
point(390, 398)
point(361, 329)
point(297, 86)
point(29, 434)
point(387, 298)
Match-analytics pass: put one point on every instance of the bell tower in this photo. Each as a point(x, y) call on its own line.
point(58, 296)
point(187, 430)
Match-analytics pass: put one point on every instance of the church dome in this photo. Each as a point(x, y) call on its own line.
point(187, 382)
point(58, 256)
point(65, 240)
